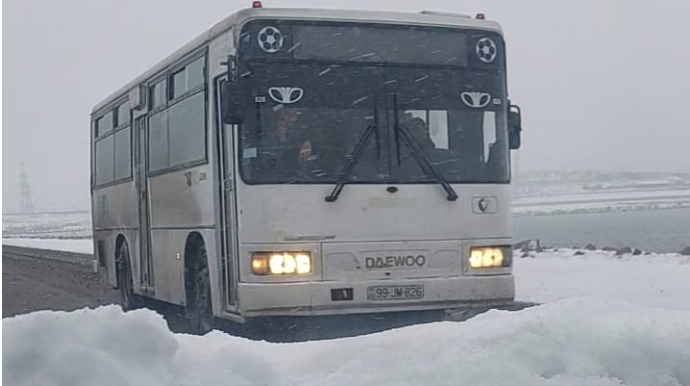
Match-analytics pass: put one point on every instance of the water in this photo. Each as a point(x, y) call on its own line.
point(653, 230)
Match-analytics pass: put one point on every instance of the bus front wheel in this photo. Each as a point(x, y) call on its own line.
point(198, 310)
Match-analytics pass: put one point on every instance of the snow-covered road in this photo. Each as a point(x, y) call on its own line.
point(68, 245)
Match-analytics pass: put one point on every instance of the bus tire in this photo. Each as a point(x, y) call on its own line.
point(125, 281)
point(198, 310)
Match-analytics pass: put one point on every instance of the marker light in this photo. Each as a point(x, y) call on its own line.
point(257, 4)
point(260, 265)
point(481, 16)
point(281, 263)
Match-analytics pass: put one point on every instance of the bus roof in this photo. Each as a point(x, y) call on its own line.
point(426, 18)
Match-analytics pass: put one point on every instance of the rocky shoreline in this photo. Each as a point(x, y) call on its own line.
point(527, 248)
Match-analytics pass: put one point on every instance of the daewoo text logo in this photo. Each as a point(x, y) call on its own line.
point(396, 261)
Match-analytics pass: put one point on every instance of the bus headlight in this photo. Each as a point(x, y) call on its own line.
point(281, 263)
point(490, 257)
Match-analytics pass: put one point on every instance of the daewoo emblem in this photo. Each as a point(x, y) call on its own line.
point(476, 100)
point(286, 95)
point(483, 205)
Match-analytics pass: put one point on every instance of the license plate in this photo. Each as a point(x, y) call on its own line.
point(395, 292)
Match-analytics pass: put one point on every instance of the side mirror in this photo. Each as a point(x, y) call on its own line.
point(514, 127)
point(231, 108)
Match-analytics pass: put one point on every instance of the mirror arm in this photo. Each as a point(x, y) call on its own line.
point(231, 64)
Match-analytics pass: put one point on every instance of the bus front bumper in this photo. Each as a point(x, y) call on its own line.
point(347, 297)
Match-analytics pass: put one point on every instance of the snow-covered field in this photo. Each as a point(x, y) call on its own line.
point(607, 321)
point(600, 202)
point(655, 281)
point(72, 225)
point(561, 192)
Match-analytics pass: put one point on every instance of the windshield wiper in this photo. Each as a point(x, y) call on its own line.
point(401, 132)
point(349, 167)
point(419, 155)
point(424, 163)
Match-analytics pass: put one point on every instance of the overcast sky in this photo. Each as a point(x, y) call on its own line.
point(602, 84)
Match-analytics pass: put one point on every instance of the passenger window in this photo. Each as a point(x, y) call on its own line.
point(123, 154)
point(158, 95)
point(177, 136)
point(105, 170)
point(122, 114)
point(187, 128)
point(104, 124)
point(188, 78)
point(158, 141)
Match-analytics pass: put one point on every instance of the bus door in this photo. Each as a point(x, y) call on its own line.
point(228, 230)
point(146, 279)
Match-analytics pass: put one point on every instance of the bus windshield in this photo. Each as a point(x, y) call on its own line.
point(303, 122)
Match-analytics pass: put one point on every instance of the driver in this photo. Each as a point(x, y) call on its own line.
point(290, 135)
point(419, 131)
point(286, 144)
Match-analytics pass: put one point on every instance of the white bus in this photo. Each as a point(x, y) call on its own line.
point(301, 162)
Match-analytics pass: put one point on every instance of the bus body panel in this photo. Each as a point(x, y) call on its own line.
point(168, 264)
point(314, 298)
point(283, 213)
point(169, 261)
point(371, 237)
point(115, 207)
point(114, 213)
point(218, 50)
point(182, 199)
point(105, 251)
point(375, 261)
point(392, 260)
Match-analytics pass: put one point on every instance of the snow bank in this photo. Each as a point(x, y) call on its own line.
point(87, 347)
point(657, 280)
point(79, 245)
point(574, 342)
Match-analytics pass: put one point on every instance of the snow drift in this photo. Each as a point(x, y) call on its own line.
point(571, 342)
